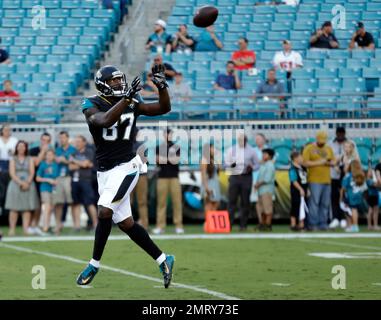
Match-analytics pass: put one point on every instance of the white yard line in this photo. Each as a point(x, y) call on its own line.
point(121, 271)
point(335, 243)
point(207, 236)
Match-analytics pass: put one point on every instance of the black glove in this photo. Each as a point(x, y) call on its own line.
point(133, 89)
point(158, 76)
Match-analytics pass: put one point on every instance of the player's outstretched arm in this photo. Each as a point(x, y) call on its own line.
point(107, 119)
point(164, 104)
point(157, 108)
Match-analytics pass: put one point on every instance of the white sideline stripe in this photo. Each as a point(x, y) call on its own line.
point(125, 272)
point(206, 236)
point(335, 243)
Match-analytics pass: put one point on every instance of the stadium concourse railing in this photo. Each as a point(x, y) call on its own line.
point(218, 107)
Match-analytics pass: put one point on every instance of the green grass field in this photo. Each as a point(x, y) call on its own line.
point(250, 268)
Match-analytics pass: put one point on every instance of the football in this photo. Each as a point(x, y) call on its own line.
point(205, 16)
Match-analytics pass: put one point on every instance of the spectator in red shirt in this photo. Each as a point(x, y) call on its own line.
point(243, 58)
point(8, 92)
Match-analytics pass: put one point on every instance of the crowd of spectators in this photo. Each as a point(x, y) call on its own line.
point(45, 179)
point(326, 179)
point(244, 59)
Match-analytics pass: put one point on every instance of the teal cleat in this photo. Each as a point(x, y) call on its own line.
point(87, 275)
point(166, 269)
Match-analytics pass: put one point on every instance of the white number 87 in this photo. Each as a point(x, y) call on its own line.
point(111, 134)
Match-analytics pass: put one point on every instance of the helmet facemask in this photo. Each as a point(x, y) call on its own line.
point(113, 90)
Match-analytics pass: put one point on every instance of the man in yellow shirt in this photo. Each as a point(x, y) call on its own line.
point(318, 158)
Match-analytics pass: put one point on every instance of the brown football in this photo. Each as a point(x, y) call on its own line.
point(205, 16)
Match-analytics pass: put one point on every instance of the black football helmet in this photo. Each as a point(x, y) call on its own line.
point(107, 73)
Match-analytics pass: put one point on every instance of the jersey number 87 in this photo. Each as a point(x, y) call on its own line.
point(111, 134)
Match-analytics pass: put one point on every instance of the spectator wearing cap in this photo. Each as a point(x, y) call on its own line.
point(319, 158)
point(182, 42)
point(8, 95)
point(180, 91)
point(208, 40)
point(243, 58)
point(361, 38)
point(324, 38)
point(228, 80)
point(169, 70)
point(4, 56)
point(159, 41)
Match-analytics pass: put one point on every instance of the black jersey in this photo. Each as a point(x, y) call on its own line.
point(113, 145)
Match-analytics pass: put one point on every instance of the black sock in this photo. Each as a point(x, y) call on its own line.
point(101, 235)
point(141, 237)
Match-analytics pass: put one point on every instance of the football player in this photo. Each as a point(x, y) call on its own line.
point(111, 116)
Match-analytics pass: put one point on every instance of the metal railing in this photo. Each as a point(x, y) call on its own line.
point(214, 107)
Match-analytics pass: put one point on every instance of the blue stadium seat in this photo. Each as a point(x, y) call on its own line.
point(35, 58)
point(326, 73)
point(338, 54)
point(27, 68)
point(337, 63)
point(311, 54)
point(303, 73)
point(316, 63)
point(58, 13)
point(357, 63)
point(349, 73)
point(43, 77)
point(45, 41)
point(49, 68)
point(40, 50)
point(305, 85)
point(37, 87)
point(329, 83)
point(62, 50)
point(357, 84)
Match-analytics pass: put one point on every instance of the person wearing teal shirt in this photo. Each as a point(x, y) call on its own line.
point(208, 41)
point(47, 174)
point(63, 189)
point(266, 189)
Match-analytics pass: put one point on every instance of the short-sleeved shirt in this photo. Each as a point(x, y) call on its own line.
point(172, 154)
point(63, 169)
point(297, 174)
point(364, 41)
point(267, 174)
point(4, 55)
point(226, 81)
point(267, 88)
point(318, 174)
point(48, 171)
point(178, 91)
point(323, 42)
point(287, 60)
point(354, 193)
point(9, 94)
point(83, 173)
point(244, 54)
point(159, 41)
point(206, 43)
